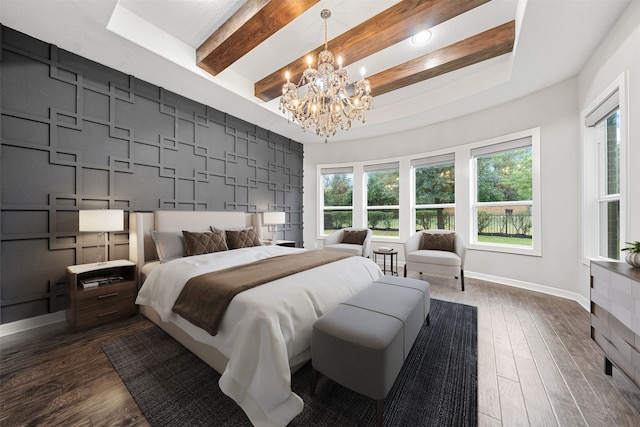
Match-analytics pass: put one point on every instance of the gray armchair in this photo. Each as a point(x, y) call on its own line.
point(336, 242)
point(447, 263)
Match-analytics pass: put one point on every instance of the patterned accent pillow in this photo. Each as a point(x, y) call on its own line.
point(204, 243)
point(354, 237)
point(237, 239)
point(438, 242)
point(169, 245)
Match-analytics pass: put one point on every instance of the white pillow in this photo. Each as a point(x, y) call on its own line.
point(169, 244)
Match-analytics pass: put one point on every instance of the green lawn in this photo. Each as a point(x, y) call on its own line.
point(520, 241)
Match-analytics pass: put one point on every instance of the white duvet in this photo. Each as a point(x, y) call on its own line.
point(265, 329)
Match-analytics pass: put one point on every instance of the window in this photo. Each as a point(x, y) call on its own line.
point(337, 208)
point(434, 193)
point(503, 202)
point(604, 142)
point(383, 199)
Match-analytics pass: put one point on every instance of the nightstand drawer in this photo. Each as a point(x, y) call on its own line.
point(105, 295)
point(105, 303)
point(116, 309)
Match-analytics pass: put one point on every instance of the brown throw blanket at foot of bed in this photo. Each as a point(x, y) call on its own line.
point(205, 298)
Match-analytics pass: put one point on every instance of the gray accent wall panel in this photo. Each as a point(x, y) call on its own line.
point(78, 135)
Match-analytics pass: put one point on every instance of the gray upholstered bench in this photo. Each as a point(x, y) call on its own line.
point(363, 342)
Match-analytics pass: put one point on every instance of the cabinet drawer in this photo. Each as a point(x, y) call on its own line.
point(105, 303)
point(115, 309)
point(106, 292)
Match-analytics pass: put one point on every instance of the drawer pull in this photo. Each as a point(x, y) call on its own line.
point(108, 295)
point(109, 313)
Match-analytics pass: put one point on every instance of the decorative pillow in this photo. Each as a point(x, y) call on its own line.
point(354, 237)
point(169, 244)
point(205, 242)
point(237, 239)
point(438, 242)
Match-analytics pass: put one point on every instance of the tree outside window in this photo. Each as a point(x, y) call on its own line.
point(338, 200)
point(504, 181)
point(383, 199)
point(434, 193)
point(609, 198)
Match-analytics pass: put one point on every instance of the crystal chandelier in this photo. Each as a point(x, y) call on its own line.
point(331, 99)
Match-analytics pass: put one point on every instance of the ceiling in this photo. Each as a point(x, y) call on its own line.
point(157, 40)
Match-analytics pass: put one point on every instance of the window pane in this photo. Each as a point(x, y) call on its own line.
point(505, 176)
point(610, 229)
point(382, 188)
point(508, 225)
point(335, 220)
point(383, 222)
point(438, 218)
point(435, 184)
point(338, 189)
point(613, 153)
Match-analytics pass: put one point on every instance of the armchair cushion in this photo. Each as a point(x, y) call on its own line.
point(437, 242)
point(434, 257)
point(354, 237)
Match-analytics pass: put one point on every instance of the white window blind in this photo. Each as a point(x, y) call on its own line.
point(603, 109)
point(501, 147)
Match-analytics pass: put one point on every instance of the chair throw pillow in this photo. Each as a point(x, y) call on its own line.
point(204, 242)
point(354, 237)
point(438, 242)
point(237, 239)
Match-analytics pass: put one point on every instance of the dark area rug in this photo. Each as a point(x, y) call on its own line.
point(437, 386)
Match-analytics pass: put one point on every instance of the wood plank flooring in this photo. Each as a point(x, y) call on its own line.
point(536, 366)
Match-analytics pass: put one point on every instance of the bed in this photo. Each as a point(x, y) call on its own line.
point(265, 333)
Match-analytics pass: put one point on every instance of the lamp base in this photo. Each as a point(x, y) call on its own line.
point(101, 248)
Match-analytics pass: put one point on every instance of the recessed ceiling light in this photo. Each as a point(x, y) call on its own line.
point(421, 38)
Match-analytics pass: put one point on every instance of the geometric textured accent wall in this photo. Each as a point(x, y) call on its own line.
point(78, 135)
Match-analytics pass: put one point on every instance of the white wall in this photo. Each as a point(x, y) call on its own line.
point(618, 53)
point(555, 111)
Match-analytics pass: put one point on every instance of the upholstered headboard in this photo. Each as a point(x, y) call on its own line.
point(142, 248)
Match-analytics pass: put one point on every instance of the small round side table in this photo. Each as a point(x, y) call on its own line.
point(393, 269)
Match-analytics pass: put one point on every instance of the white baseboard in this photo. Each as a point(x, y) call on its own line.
point(574, 296)
point(585, 303)
point(32, 323)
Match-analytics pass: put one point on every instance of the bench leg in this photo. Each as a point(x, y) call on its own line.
point(405, 270)
point(462, 279)
point(379, 410)
point(314, 381)
point(429, 319)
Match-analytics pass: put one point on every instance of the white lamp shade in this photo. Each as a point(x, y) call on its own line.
point(273, 218)
point(101, 220)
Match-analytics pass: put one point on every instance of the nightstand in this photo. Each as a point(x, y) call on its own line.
point(288, 243)
point(101, 293)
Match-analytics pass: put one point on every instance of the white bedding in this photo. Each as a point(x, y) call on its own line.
point(265, 329)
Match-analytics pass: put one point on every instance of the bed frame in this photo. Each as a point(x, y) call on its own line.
point(142, 251)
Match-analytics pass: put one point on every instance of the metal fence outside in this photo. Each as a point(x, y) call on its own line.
point(510, 225)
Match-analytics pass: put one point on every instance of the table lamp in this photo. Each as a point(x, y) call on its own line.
point(273, 219)
point(101, 221)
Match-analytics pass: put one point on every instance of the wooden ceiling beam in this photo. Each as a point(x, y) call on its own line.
point(252, 24)
point(489, 44)
point(387, 28)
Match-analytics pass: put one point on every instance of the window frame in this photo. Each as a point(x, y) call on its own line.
point(594, 170)
point(424, 162)
point(379, 167)
point(333, 171)
point(536, 222)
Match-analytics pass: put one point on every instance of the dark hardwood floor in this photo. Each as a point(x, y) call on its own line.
point(536, 366)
